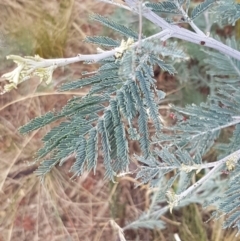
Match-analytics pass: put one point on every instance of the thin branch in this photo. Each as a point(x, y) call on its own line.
point(91, 57)
point(184, 34)
point(187, 168)
point(191, 23)
point(94, 58)
point(209, 174)
point(232, 123)
point(177, 198)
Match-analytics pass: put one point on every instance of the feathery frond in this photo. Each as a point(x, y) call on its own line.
point(227, 12)
point(164, 7)
point(129, 33)
point(103, 41)
point(201, 8)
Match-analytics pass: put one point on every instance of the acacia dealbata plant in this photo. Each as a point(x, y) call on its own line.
point(123, 103)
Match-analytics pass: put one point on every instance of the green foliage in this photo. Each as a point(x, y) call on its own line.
point(222, 65)
point(125, 31)
point(102, 40)
point(201, 8)
point(227, 12)
point(122, 105)
point(164, 7)
point(133, 96)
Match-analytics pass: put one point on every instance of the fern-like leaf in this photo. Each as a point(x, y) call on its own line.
point(129, 33)
point(234, 143)
point(103, 41)
point(227, 12)
point(164, 7)
point(142, 121)
point(78, 166)
point(39, 122)
point(106, 149)
point(45, 167)
point(222, 65)
point(92, 149)
point(201, 8)
point(149, 98)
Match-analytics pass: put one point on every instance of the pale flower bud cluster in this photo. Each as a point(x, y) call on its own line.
point(125, 45)
point(173, 199)
point(231, 162)
point(26, 68)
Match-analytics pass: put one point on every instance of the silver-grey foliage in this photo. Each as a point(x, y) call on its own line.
point(122, 103)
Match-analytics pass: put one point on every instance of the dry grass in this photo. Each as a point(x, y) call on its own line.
point(60, 209)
